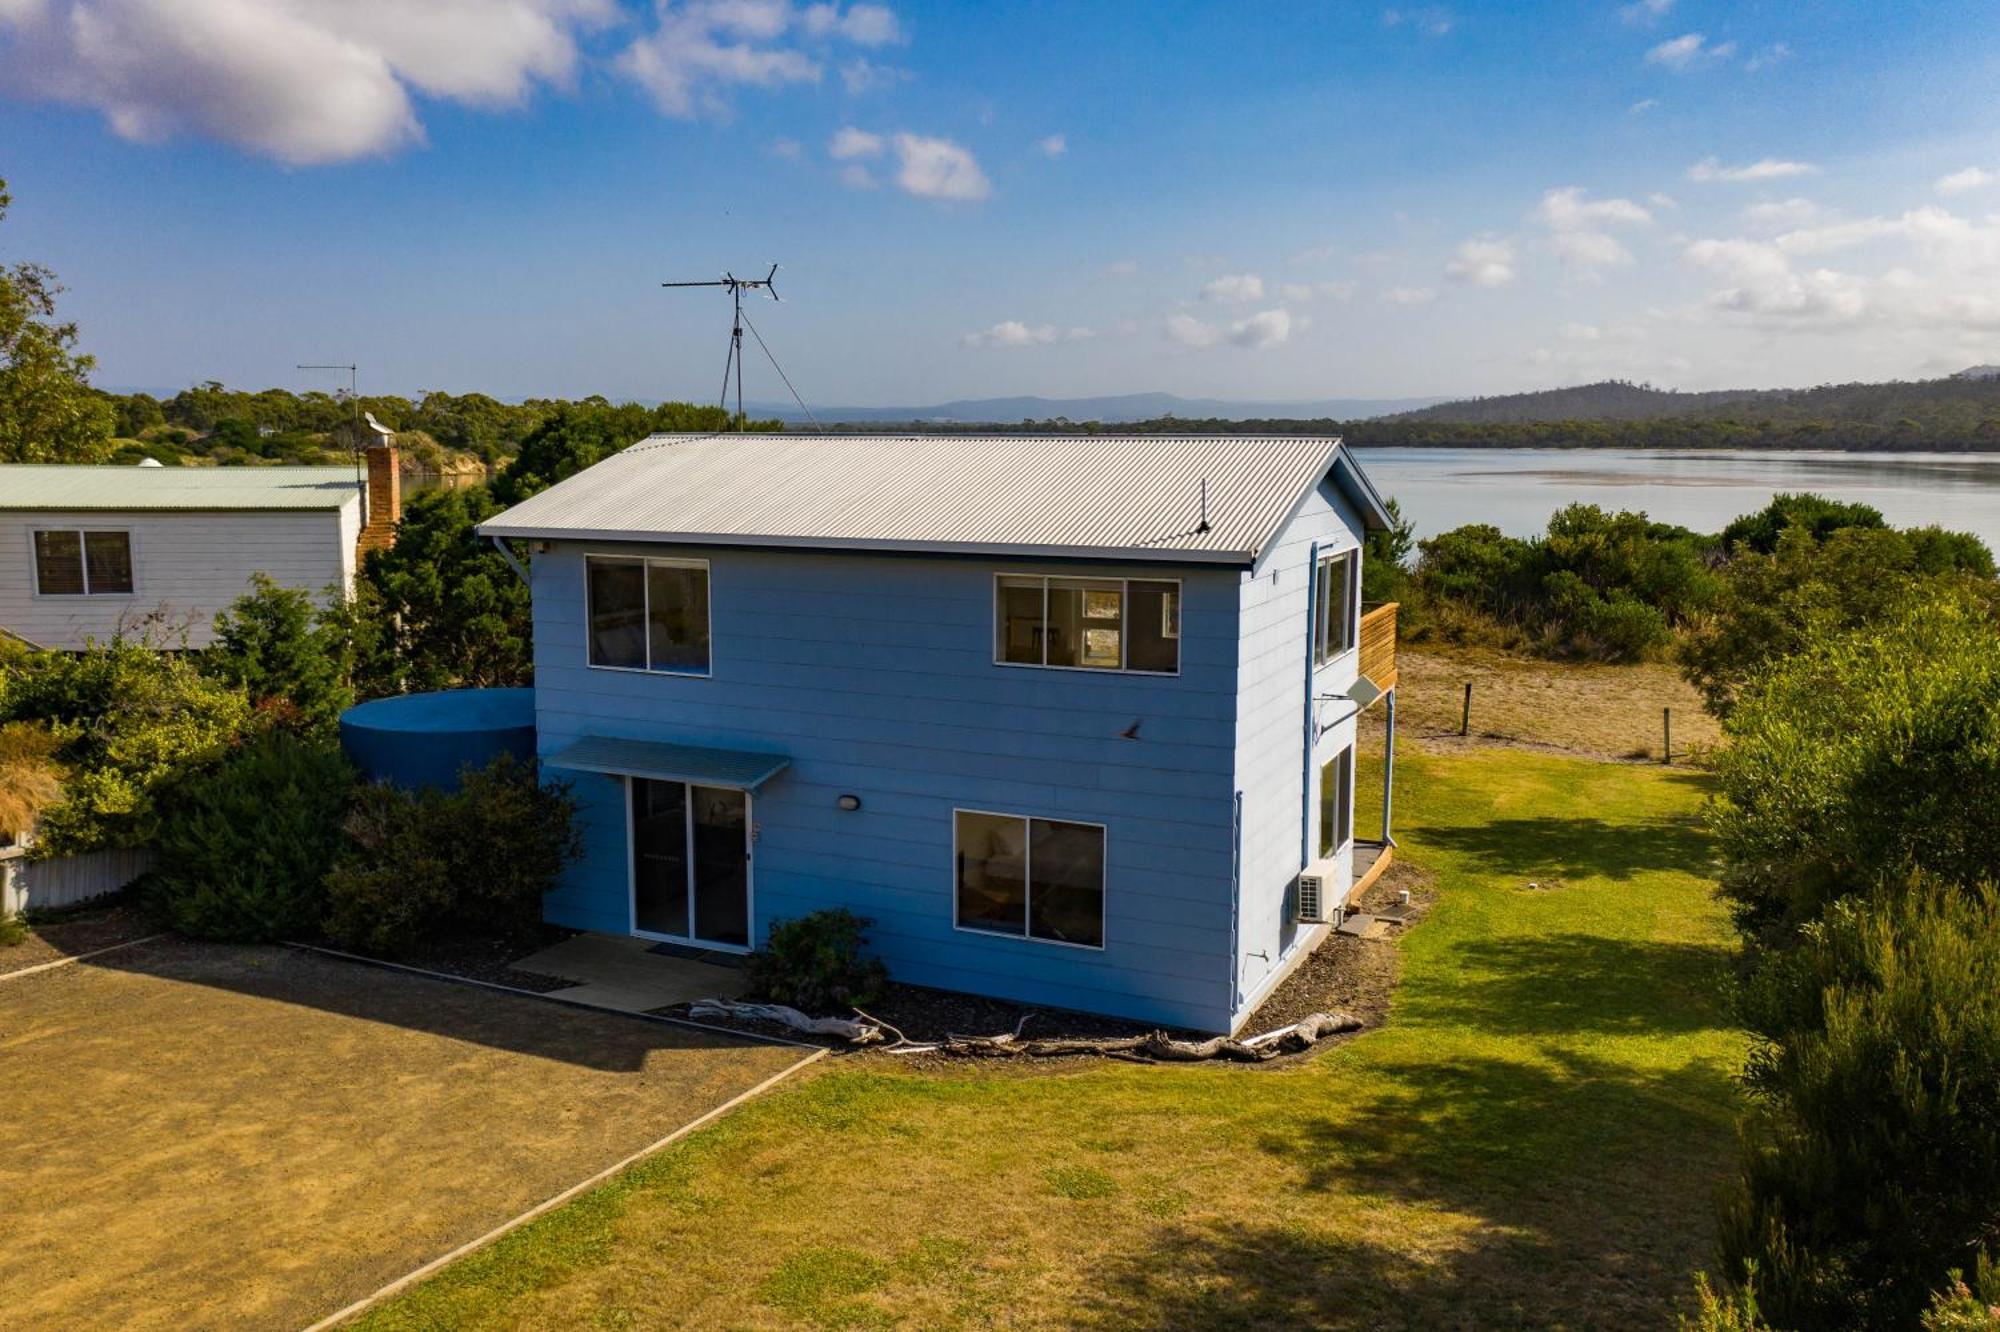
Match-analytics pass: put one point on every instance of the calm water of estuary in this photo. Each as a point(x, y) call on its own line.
point(1517, 489)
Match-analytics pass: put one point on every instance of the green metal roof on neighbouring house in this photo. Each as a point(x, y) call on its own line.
point(50, 486)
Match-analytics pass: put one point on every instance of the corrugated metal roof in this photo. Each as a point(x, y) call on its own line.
point(53, 486)
point(1135, 497)
point(744, 769)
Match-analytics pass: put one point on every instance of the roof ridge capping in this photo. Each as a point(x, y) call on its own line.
point(1188, 498)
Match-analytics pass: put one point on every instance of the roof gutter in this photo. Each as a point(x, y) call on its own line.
point(1134, 554)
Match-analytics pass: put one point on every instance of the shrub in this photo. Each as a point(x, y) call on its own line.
point(420, 865)
point(277, 647)
point(132, 721)
point(243, 848)
point(30, 777)
point(1820, 516)
point(1870, 749)
point(1871, 1166)
point(814, 963)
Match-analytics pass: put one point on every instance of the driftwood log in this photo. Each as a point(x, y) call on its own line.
point(1154, 1045)
point(852, 1031)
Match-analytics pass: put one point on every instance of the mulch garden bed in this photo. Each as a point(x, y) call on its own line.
point(1344, 974)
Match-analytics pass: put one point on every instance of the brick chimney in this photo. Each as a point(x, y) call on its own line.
point(385, 499)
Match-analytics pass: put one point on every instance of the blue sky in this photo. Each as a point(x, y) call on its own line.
point(1252, 201)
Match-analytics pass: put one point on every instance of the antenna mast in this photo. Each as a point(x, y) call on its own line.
point(354, 406)
point(736, 286)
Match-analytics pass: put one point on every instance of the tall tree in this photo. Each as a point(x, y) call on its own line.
point(48, 411)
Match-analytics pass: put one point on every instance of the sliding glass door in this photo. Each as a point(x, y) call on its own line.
point(691, 862)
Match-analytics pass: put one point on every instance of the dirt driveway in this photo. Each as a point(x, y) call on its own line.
point(203, 1136)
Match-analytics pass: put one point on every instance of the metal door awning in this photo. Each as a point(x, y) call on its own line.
point(741, 769)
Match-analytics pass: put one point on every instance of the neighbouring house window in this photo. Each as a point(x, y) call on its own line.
point(1336, 802)
point(74, 563)
point(648, 614)
point(1334, 613)
point(1037, 878)
point(1106, 624)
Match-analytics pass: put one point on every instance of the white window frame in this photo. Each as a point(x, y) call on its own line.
point(1350, 593)
point(673, 561)
point(1124, 622)
point(1343, 817)
point(1028, 879)
point(687, 817)
point(83, 556)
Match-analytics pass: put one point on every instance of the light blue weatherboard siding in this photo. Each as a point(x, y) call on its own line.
point(1271, 738)
point(875, 675)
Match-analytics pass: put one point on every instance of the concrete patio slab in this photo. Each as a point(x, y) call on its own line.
point(623, 973)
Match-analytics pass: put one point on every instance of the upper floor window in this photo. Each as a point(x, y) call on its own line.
point(1335, 615)
point(648, 614)
point(1105, 624)
point(81, 563)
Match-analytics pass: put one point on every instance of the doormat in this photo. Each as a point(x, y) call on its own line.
point(689, 953)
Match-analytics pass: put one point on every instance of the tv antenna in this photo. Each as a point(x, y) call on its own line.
point(733, 363)
point(354, 404)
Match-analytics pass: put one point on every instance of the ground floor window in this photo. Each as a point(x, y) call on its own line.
point(1336, 802)
point(82, 563)
point(1037, 878)
point(691, 862)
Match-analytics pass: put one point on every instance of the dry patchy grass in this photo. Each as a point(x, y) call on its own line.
point(1608, 711)
point(1533, 1139)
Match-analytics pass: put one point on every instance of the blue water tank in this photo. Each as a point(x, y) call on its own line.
point(424, 739)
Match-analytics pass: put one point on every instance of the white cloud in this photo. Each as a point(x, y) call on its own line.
point(1266, 328)
point(789, 149)
point(1589, 251)
point(1409, 296)
point(1643, 105)
point(305, 82)
point(1776, 53)
point(1482, 262)
point(864, 25)
point(1689, 51)
point(1432, 21)
point(1299, 293)
point(857, 177)
point(1782, 214)
point(1567, 209)
point(1645, 11)
point(1234, 288)
point(934, 168)
point(1710, 170)
point(1015, 333)
point(1579, 332)
point(862, 75)
point(1121, 268)
point(849, 143)
point(1958, 182)
point(1315, 254)
point(1055, 145)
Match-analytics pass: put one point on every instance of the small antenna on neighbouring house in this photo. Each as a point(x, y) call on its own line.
point(1202, 526)
point(354, 405)
point(733, 363)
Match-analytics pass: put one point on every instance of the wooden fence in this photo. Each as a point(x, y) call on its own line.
point(1378, 645)
point(60, 881)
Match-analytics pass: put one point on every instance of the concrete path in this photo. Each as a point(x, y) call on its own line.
point(623, 973)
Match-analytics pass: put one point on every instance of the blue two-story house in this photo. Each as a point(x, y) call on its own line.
point(1071, 719)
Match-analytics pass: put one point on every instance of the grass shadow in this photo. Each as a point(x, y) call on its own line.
point(1554, 847)
point(1573, 983)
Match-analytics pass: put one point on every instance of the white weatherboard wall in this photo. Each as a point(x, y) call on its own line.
point(875, 674)
point(1271, 740)
point(186, 564)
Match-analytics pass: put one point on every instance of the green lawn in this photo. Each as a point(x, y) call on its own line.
point(1534, 1139)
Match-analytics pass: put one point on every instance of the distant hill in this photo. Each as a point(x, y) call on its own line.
point(1117, 408)
point(1962, 403)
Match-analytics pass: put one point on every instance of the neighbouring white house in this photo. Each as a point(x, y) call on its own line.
point(88, 551)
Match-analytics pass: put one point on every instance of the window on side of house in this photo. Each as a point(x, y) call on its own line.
point(79, 563)
point(1105, 624)
point(1033, 878)
point(1336, 802)
point(1334, 613)
point(648, 614)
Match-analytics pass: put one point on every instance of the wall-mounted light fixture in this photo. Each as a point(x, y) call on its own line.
point(850, 803)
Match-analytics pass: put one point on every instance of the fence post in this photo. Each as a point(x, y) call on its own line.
point(1666, 735)
point(1465, 718)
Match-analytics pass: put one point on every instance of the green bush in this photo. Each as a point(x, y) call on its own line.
point(276, 646)
point(1871, 1166)
point(1868, 750)
point(243, 848)
point(814, 963)
point(131, 721)
point(422, 865)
